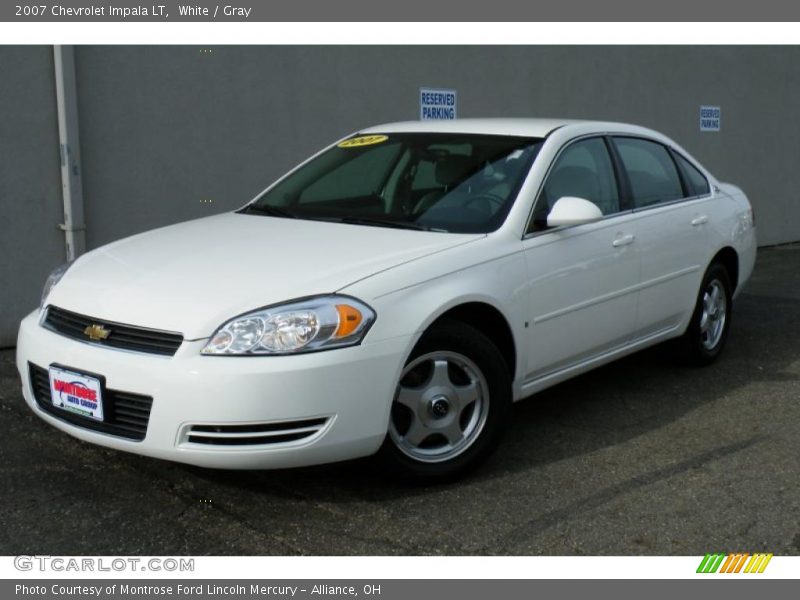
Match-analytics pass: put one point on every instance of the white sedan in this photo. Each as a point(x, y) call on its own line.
point(394, 294)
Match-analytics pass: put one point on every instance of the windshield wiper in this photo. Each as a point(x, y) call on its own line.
point(271, 211)
point(378, 222)
point(279, 211)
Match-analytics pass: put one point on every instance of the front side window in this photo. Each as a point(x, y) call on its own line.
point(459, 183)
point(583, 170)
point(651, 171)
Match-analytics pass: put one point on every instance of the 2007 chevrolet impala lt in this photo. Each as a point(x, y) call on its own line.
point(394, 294)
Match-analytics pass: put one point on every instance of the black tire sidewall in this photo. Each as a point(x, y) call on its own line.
point(693, 338)
point(462, 338)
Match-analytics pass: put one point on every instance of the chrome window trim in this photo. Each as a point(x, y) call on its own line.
point(615, 215)
point(671, 203)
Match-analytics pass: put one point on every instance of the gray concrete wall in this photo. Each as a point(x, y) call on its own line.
point(172, 133)
point(30, 185)
point(165, 129)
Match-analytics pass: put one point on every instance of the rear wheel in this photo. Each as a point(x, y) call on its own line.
point(451, 404)
point(708, 330)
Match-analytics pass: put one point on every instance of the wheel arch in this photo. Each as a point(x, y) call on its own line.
point(729, 258)
point(490, 321)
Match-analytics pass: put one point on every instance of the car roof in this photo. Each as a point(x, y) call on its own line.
point(522, 127)
point(535, 128)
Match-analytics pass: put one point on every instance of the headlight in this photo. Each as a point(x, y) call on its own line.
point(52, 279)
point(312, 324)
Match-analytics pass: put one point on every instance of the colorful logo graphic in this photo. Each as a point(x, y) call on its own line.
point(734, 563)
point(76, 395)
point(364, 140)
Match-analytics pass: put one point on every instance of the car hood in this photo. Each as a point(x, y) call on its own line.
point(192, 277)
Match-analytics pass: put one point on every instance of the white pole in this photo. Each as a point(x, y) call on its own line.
point(71, 187)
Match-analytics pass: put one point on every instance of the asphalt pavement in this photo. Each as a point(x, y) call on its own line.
point(641, 457)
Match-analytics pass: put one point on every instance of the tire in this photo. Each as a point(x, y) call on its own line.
point(452, 404)
point(708, 330)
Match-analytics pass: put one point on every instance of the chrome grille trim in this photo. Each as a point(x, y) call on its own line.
point(267, 434)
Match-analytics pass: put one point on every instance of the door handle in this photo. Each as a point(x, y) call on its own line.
point(699, 220)
point(623, 240)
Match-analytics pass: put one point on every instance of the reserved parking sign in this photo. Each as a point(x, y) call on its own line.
point(437, 104)
point(710, 118)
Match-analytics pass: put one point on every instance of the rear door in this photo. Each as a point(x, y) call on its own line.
point(670, 228)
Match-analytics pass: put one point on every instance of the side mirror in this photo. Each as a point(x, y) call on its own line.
point(569, 210)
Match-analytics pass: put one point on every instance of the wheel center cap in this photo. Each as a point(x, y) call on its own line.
point(440, 406)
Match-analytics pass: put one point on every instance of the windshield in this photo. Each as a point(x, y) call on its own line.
point(459, 183)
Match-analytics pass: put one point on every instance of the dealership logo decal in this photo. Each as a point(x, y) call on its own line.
point(741, 562)
point(97, 332)
point(364, 140)
point(76, 395)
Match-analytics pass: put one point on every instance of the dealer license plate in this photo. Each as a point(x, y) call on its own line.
point(76, 392)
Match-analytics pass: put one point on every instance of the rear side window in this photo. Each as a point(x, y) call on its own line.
point(651, 171)
point(695, 180)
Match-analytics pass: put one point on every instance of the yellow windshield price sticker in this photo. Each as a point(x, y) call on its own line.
point(363, 140)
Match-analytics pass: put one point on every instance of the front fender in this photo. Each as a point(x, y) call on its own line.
point(412, 308)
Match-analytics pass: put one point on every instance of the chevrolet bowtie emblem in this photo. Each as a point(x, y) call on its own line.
point(97, 332)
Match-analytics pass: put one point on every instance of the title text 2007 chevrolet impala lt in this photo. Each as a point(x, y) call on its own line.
point(395, 293)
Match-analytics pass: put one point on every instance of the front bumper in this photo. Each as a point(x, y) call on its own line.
point(350, 388)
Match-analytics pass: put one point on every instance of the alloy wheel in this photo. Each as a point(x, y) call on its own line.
point(440, 407)
point(712, 319)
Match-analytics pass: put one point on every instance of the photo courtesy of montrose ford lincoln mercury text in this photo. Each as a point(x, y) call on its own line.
point(394, 294)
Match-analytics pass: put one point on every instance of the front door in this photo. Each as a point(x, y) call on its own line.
point(582, 280)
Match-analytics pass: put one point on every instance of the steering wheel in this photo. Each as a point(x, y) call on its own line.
point(492, 199)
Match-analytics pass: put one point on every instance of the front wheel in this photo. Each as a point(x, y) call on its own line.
point(708, 330)
point(451, 405)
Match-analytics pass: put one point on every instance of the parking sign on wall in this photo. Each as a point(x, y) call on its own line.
point(710, 118)
point(437, 104)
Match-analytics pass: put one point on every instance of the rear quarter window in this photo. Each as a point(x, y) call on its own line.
point(695, 180)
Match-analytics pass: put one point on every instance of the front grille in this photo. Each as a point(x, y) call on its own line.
point(126, 415)
point(256, 433)
point(126, 337)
